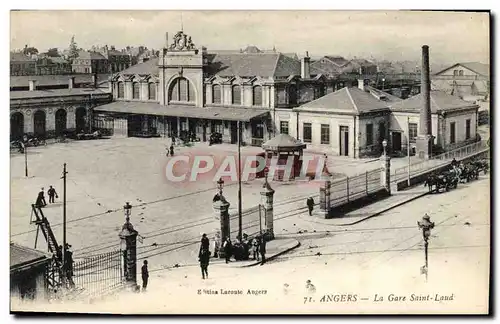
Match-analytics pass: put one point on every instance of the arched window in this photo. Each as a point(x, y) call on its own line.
point(257, 96)
point(216, 94)
point(461, 72)
point(152, 91)
point(181, 90)
point(135, 90)
point(236, 95)
point(121, 90)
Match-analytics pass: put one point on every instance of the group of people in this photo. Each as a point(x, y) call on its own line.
point(67, 263)
point(40, 200)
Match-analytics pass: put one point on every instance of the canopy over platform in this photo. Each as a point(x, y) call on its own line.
point(283, 143)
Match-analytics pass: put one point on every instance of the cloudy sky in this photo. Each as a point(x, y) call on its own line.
point(452, 36)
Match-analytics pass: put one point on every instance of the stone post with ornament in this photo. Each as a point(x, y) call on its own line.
point(385, 173)
point(267, 197)
point(128, 246)
point(221, 211)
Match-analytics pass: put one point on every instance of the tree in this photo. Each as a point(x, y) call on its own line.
point(30, 50)
point(73, 48)
point(53, 52)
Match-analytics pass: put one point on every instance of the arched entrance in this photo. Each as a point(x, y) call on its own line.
point(61, 120)
point(39, 123)
point(80, 116)
point(16, 126)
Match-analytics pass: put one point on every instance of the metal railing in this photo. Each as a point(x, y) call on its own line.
point(438, 160)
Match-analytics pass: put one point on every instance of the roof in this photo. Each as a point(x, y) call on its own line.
point(20, 57)
point(90, 55)
point(58, 59)
point(337, 60)
point(440, 101)
point(479, 68)
point(53, 80)
point(385, 96)
point(54, 93)
point(145, 68)
point(283, 142)
point(21, 255)
point(249, 65)
point(217, 113)
point(346, 100)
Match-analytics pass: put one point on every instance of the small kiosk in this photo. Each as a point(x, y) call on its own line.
point(283, 146)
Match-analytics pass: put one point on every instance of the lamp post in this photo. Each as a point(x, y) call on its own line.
point(384, 146)
point(221, 207)
point(220, 186)
point(25, 149)
point(426, 225)
point(383, 83)
point(128, 236)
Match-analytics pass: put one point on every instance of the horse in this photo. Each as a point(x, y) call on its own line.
point(439, 181)
point(482, 165)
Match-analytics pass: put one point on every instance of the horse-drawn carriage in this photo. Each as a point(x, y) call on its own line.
point(457, 173)
point(84, 136)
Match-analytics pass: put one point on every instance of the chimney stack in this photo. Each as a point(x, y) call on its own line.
point(32, 84)
point(94, 80)
point(361, 84)
point(305, 67)
point(71, 83)
point(424, 139)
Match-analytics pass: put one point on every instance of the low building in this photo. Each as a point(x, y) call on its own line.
point(117, 60)
point(21, 64)
point(28, 273)
point(90, 62)
point(454, 122)
point(352, 121)
point(469, 81)
point(52, 65)
point(50, 113)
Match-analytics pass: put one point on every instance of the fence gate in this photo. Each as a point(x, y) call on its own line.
point(99, 274)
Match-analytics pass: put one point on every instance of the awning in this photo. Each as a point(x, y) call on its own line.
point(218, 113)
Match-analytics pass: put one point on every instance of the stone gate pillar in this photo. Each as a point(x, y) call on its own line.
point(267, 196)
point(221, 211)
point(385, 174)
point(128, 236)
point(324, 199)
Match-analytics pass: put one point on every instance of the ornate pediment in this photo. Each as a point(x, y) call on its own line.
point(182, 42)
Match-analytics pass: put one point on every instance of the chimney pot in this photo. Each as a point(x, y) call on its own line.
point(94, 80)
point(305, 67)
point(32, 85)
point(361, 84)
point(71, 82)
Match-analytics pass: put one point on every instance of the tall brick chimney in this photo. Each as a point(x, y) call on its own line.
point(32, 84)
point(424, 139)
point(305, 67)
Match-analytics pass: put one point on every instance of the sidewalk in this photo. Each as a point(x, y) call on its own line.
point(274, 248)
point(397, 198)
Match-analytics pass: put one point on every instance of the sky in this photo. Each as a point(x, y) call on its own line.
point(392, 35)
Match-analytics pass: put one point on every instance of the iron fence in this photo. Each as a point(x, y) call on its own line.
point(439, 160)
point(99, 274)
point(252, 220)
point(345, 190)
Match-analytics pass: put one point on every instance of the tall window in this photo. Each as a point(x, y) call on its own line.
point(452, 133)
point(121, 90)
point(257, 96)
point(152, 91)
point(325, 134)
point(369, 134)
point(461, 73)
point(135, 90)
point(283, 127)
point(412, 131)
point(236, 95)
point(455, 72)
point(467, 129)
point(216, 94)
point(307, 132)
point(381, 131)
point(292, 94)
point(181, 90)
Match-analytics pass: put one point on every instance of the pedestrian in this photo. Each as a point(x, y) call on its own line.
point(59, 253)
point(286, 288)
point(310, 205)
point(262, 249)
point(255, 247)
point(171, 150)
point(311, 289)
point(228, 249)
point(167, 150)
point(40, 200)
point(52, 192)
point(68, 260)
point(204, 258)
point(145, 275)
point(205, 243)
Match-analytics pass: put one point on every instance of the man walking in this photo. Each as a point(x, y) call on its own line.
point(310, 205)
point(145, 275)
point(171, 150)
point(40, 200)
point(52, 192)
point(205, 243)
point(204, 258)
point(255, 248)
point(227, 249)
point(262, 249)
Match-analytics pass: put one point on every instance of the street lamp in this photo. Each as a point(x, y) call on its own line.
point(220, 186)
point(384, 146)
point(426, 225)
point(383, 83)
point(128, 246)
point(127, 211)
point(24, 145)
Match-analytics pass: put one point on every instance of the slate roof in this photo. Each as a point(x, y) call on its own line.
point(144, 68)
point(53, 80)
point(218, 113)
point(21, 255)
point(283, 141)
point(387, 97)
point(54, 93)
point(90, 55)
point(337, 60)
point(346, 100)
point(249, 65)
point(440, 101)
